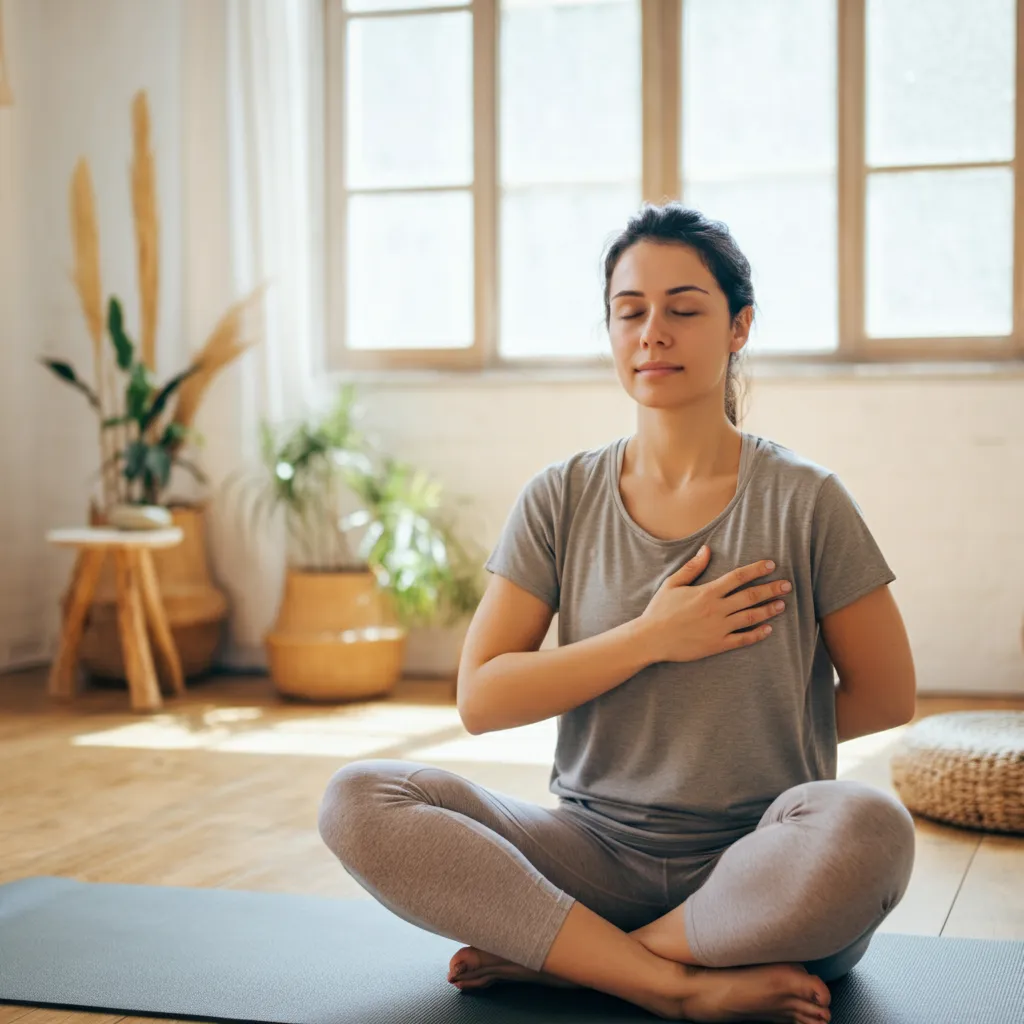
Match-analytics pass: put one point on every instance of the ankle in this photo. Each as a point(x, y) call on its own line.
point(666, 938)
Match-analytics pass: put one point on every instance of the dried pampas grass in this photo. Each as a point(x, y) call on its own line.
point(231, 336)
point(88, 284)
point(6, 95)
point(147, 227)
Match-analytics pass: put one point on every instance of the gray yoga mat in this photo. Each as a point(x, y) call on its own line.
point(247, 956)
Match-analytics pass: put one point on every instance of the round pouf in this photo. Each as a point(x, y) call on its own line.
point(965, 768)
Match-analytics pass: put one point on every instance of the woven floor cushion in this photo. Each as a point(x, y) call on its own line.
point(965, 768)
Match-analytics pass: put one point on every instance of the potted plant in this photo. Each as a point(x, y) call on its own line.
point(371, 552)
point(144, 428)
point(146, 448)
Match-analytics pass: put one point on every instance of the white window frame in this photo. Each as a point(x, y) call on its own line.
point(661, 22)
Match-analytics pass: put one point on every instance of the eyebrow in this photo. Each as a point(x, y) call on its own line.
point(670, 291)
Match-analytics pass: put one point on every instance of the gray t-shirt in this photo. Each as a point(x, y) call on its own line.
point(705, 746)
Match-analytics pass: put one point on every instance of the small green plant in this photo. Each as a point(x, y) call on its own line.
point(349, 508)
point(145, 449)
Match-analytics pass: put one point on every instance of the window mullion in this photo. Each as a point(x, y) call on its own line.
point(851, 176)
point(335, 271)
point(1018, 195)
point(486, 194)
point(660, 70)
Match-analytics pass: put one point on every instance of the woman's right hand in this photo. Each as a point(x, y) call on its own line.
point(686, 622)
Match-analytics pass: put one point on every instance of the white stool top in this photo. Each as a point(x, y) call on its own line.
point(109, 537)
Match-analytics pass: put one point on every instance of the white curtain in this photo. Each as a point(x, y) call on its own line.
point(254, 213)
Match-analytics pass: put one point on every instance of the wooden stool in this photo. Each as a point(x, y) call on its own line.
point(138, 603)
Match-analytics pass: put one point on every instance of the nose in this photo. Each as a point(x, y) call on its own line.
point(655, 331)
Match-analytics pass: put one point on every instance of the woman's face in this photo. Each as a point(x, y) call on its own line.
point(666, 307)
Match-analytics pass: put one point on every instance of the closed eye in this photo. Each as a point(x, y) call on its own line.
point(633, 316)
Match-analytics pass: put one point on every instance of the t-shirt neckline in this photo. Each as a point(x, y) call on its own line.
point(748, 448)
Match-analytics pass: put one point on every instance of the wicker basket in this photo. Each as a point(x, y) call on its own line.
point(965, 768)
point(335, 638)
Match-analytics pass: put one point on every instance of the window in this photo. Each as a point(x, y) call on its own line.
point(481, 153)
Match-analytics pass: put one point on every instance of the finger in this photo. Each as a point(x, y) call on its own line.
point(753, 616)
point(744, 574)
point(692, 569)
point(753, 595)
point(734, 640)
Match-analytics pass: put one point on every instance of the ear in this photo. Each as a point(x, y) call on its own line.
point(741, 328)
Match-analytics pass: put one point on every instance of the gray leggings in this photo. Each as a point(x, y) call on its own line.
point(810, 884)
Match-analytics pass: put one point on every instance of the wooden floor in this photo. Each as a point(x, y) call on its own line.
point(221, 789)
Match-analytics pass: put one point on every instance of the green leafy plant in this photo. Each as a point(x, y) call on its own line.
point(350, 508)
point(148, 446)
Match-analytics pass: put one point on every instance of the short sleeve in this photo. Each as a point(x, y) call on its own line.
point(525, 552)
point(846, 561)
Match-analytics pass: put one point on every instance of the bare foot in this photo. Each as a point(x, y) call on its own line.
point(480, 969)
point(767, 992)
point(783, 993)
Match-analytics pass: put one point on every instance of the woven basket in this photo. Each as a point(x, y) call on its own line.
point(965, 768)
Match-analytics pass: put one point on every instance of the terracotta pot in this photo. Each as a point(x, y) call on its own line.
point(196, 608)
point(335, 638)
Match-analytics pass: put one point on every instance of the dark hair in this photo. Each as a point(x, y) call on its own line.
point(718, 251)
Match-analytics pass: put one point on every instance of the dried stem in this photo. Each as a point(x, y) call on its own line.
point(147, 227)
point(90, 293)
point(6, 95)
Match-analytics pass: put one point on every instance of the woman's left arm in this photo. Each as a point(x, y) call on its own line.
point(868, 645)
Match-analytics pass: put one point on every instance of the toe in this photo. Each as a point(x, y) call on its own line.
point(803, 1010)
point(817, 991)
point(806, 1018)
point(465, 960)
point(474, 983)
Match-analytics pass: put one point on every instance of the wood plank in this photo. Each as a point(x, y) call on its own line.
point(941, 857)
point(46, 1015)
point(222, 789)
point(990, 904)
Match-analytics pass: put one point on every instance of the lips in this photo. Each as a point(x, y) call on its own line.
point(659, 371)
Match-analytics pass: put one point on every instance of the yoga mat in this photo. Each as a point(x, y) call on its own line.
point(247, 956)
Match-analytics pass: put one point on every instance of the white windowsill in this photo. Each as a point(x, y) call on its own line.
point(809, 369)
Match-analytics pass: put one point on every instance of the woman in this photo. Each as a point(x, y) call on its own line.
point(703, 861)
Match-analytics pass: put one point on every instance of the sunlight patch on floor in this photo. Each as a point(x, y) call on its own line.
point(357, 731)
point(526, 744)
point(854, 753)
point(362, 730)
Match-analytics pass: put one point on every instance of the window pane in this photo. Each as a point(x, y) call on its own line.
point(410, 271)
point(552, 290)
point(759, 87)
point(787, 229)
point(758, 151)
point(399, 5)
point(571, 165)
point(940, 253)
point(570, 91)
point(940, 81)
point(409, 101)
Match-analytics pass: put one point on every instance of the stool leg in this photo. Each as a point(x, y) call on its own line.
point(85, 576)
point(157, 618)
point(131, 622)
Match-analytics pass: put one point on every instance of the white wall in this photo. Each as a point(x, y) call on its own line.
point(20, 546)
point(936, 464)
point(75, 67)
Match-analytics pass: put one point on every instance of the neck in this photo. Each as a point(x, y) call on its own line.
point(681, 446)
